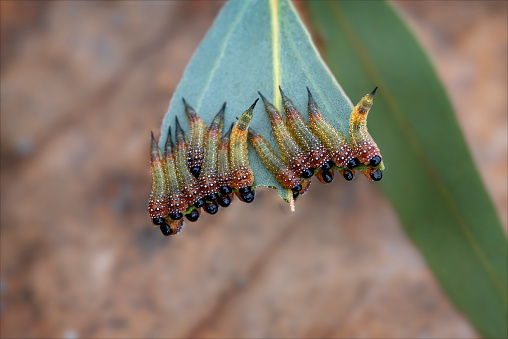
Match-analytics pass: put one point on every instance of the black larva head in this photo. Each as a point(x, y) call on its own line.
point(224, 201)
point(158, 221)
point(196, 170)
point(376, 175)
point(247, 197)
point(225, 190)
point(327, 177)
point(193, 215)
point(176, 215)
point(353, 163)
point(165, 229)
point(348, 175)
point(308, 173)
point(295, 194)
point(326, 166)
point(212, 197)
point(297, 188)
point(199, 203)
point(375, 160)
point(244, 190)
point(211, 207)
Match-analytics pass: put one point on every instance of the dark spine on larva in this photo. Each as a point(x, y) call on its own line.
point(289, 149)
point(208, 179)
point(195, 151)
point(338, 147)
point(176, 200)
point(242, 175)
point(362, 143)
point(282, 172)
point(157, 203)
point(188, 183)
point(318, 155)
point(224, 171)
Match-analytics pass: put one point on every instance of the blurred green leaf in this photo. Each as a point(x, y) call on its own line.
point(430, 177)
point(257, 46)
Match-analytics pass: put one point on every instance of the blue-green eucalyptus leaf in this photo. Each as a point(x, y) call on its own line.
point(257, 45)
point(432, 181)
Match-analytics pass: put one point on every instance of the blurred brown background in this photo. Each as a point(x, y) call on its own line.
point(82, 85)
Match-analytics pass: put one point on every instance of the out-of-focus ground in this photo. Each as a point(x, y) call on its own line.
point(83, 83)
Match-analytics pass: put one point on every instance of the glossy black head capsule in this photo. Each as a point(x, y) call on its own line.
point(353, 163)
point(165, 229)
point(176, 215)
point(327, 177)
point(327, 165)
point(199, 203)
point(211, 207)
point(225, 190)
point(247, 197)
point(196, 170)
point(297, 188)
point(308, 173)
point(224, 201)
point(376, 160)
point(212, 197)
point(158, 221)
point(244, 190)
point(376, 175)
point(193, 215)
point(348, 175)
point(295, 194)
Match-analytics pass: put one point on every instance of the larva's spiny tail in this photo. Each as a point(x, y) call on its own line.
point(308, 141)
point(290, 151)
point(364, 147)
point(284, 175)
point(208, 179)
point(157, 202)
point(243, 178)
point(177, 204)
point(188, 183)
point(224, 171)
point(196, 150)
point(338, 147)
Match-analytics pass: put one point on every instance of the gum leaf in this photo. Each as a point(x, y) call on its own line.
point(432, 182)
point(257, 46)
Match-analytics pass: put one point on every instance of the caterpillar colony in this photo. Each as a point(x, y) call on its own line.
point(210, 168)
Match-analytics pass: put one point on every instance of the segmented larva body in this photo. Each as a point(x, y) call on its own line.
point(318, 155)
point(290, 151)
point(336, 144)
point(224, 173)
point(242, 176)
point(196, 149)
point(208, 179)
point(224, 170)
point(188, 183)
point(177, 204)
point(364, 147)
point(157, 203)
point(282, 172)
